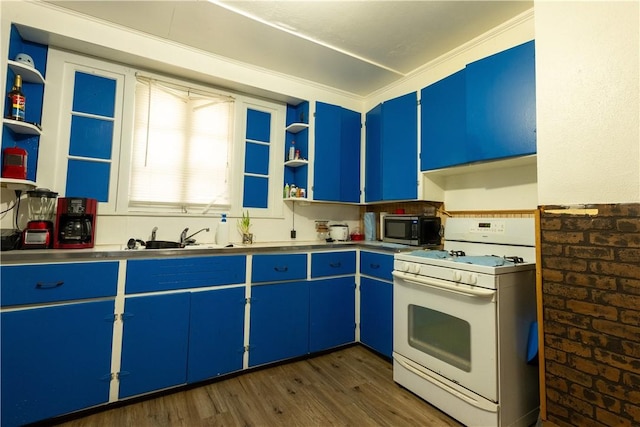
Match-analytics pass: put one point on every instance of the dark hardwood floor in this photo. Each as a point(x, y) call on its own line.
point(349, 387)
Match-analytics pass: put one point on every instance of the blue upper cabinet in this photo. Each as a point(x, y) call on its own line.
point(373, 155)
point(485, 112)
point(256, 161)
point(91, 138)
point(337, 154)
point(443, 123)
point(392, 150)
point(501, 104)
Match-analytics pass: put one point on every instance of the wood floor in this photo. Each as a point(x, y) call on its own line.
point(349, 387)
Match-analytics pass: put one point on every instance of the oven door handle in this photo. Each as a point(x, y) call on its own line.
point(444, 285)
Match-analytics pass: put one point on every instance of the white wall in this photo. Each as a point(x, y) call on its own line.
point(588, 102)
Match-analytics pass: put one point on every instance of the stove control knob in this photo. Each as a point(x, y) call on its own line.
point(402, 266)
point(473, 279)
point(414, 268)
point(457, 276)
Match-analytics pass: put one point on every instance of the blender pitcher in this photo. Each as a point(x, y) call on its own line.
point(39, 231)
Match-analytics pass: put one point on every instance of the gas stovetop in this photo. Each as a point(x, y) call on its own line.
point(459, 260)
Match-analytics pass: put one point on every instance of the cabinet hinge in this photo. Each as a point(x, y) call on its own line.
point(247, 301)
point(419, 102)
point(246, 347)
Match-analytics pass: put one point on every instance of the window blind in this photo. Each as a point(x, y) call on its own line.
point(181, 146)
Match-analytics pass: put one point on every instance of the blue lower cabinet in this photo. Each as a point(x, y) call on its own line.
point(154, 343)
point(279, 326)
point(55, 360)
point(331, 313)
point(216, 333)
point(376, 315)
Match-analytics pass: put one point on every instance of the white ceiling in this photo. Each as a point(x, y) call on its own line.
point(354, 46)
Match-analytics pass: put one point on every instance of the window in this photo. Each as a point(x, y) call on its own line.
point(181, 146)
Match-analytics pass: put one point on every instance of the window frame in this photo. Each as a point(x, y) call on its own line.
point(119, 181)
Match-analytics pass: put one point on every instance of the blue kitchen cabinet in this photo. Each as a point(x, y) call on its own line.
point(443, 140)
point(376, 301)
point(373, 155)
point(332, 300)
point(331, 312)
point(279, 325)
point(256, 161)
point(216, 333)
point(501, 104)
point(376, 315)
point(55, 360)
point(278, 267)
point(391, 157)
point(337, 154)
point(154, 343)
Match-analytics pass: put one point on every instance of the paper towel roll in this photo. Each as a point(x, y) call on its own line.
point(369, 225)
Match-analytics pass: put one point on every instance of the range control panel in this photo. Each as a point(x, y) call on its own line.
point(484, 227)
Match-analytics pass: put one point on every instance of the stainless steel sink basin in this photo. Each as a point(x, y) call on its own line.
point(162, 244)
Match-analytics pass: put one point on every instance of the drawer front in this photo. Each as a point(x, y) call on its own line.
point(35, 284)
point(376, 264)
point(149, 275)
point(333, 263)
point(277, 267)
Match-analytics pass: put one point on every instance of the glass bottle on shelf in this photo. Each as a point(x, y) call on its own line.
point(17, 100)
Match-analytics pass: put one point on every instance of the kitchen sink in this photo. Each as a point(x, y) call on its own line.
point(162, 244)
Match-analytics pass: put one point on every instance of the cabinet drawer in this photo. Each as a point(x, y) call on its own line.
point(33, 284)
point(148, 275)
point(333, 263)
point(277, 267)
point(376, 265)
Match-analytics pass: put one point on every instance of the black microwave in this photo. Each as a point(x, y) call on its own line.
point(414, 230)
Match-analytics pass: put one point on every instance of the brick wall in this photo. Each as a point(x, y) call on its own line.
point(591, 308)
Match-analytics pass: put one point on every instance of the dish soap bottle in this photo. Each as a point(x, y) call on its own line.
point(222, 231)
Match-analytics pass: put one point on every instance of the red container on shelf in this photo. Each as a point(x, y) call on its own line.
point(14, 163)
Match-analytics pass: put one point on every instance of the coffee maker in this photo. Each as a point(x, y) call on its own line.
point(39, 231)
point(75, 223)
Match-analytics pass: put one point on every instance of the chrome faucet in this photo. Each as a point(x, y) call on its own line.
point(153, 233)
point(188, 240)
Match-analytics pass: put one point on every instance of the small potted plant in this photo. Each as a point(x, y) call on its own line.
point(244, 225)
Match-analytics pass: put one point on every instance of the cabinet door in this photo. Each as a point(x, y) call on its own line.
point(55, 360)
point(337, 154)
point(154, 343)
point(501, 104)
point(331, 313)
point(279, 326)
point(400, 148)
point(391, 158)
point(443, 123)
point(376, 315)
point(216, 333)
point(373, 155)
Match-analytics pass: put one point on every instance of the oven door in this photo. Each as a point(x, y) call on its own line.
point(449, 328)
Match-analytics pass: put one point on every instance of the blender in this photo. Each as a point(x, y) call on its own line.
point(42, 208)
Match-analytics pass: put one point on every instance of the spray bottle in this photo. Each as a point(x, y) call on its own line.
point(222, 232)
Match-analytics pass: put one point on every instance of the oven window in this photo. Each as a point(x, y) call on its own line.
point(440, 335)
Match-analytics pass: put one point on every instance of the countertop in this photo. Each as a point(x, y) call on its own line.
point(118, 252)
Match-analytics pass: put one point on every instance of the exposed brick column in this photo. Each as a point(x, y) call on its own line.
point(591, 308)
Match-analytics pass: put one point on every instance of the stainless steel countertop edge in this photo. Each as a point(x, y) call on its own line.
point(109, 253)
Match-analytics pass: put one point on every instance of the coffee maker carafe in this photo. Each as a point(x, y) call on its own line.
point(39, 231)
point(75, 223)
